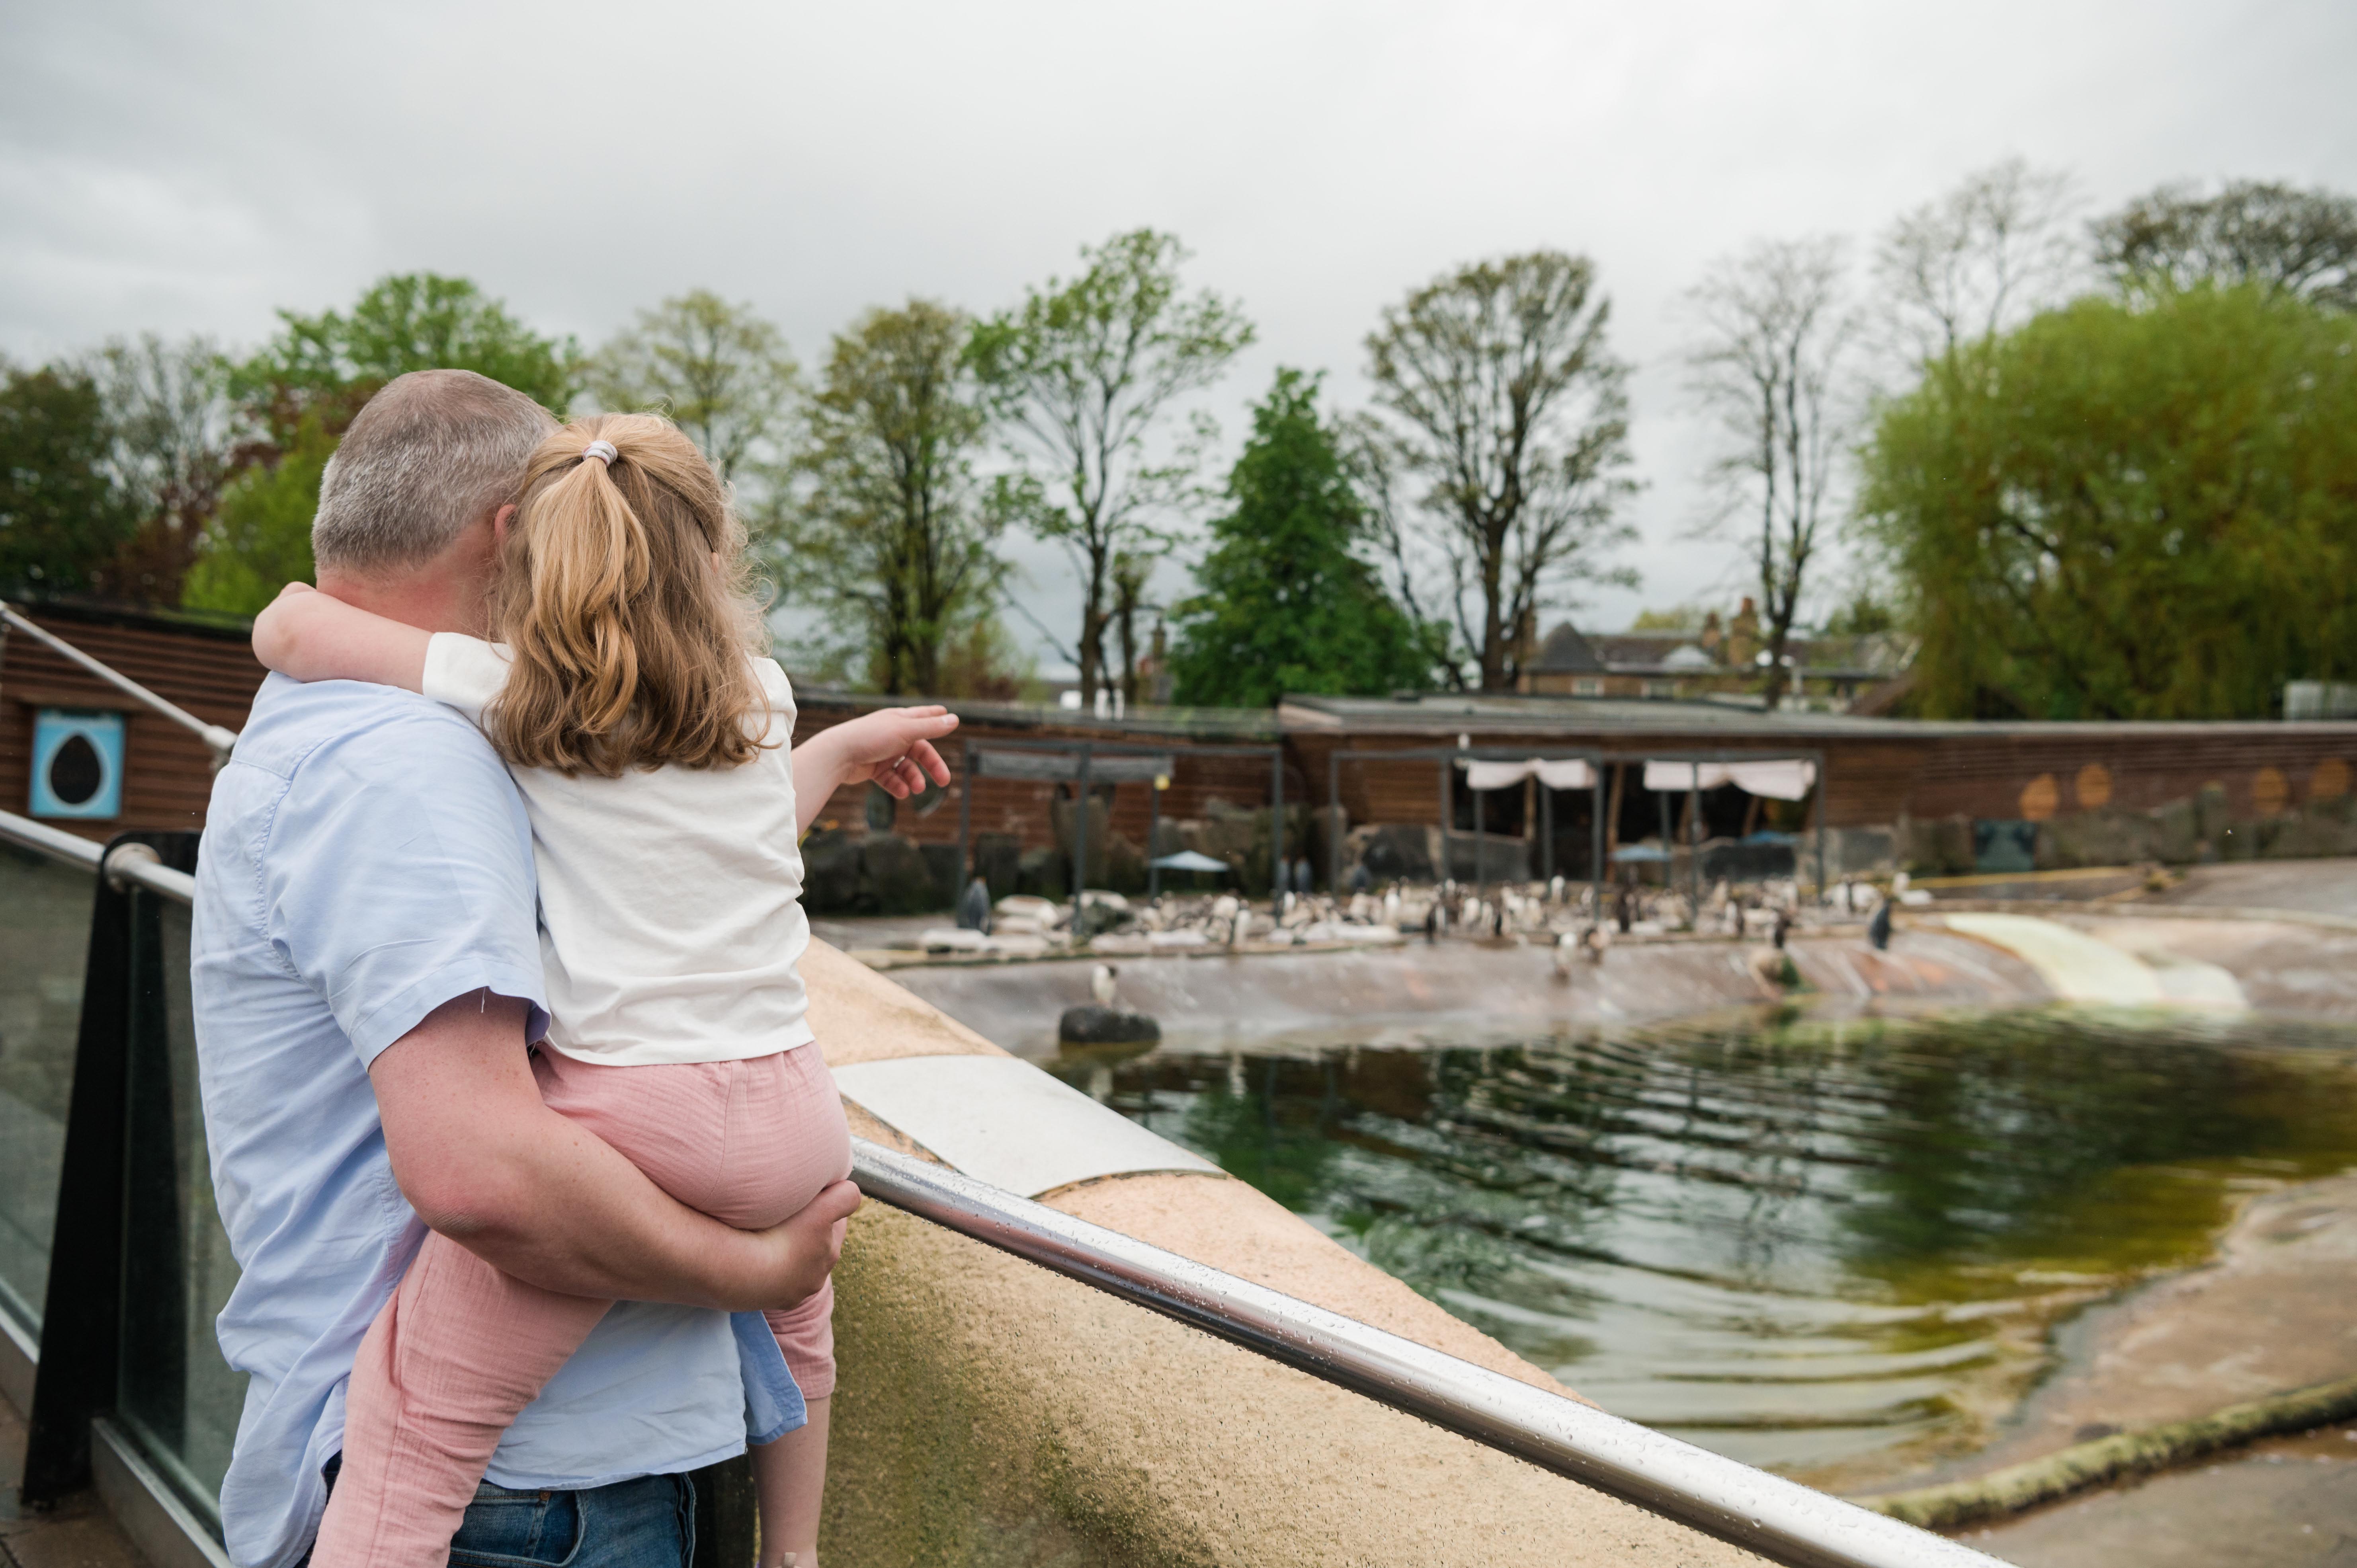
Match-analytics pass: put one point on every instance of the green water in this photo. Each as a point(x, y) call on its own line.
point(1810, 1244)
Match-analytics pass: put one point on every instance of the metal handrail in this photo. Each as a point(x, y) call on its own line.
point(131, 863)
point(214, 735)
point(1778, 1520)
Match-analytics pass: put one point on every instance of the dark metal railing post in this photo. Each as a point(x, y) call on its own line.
point(1080, 842)
point(966, 813)
point(1276, 824)
point(82, 1319)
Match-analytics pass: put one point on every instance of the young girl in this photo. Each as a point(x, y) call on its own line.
point(649, 736)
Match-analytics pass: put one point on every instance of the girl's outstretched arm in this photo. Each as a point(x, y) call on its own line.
point(892, 747)
point(313, 636)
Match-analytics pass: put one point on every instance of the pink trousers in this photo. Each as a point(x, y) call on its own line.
point(461, 1348)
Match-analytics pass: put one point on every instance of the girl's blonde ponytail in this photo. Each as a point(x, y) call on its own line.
point(624, 602)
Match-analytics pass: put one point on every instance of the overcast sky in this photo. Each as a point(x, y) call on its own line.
point(184, 168)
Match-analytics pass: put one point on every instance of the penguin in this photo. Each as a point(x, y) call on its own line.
point(1877, 929)
point(1432, 921)
point(973, 907)
point(1101, 985)
point(1565, 947)
point(1598, 942)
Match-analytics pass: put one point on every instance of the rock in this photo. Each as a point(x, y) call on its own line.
point(998, 860)
point(2102, 837)
point(941, 860)
point(1394, 852)
point(830, 873)
point(894, 878)
point(2177, 833)
point(1045, 873)
point(2209, 814)
point(1124, 866)
point(1093, 1026)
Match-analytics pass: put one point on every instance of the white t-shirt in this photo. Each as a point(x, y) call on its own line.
point(671, 917)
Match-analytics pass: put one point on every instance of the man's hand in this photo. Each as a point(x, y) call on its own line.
point(891, 748)
point(803, 1248)
point(484, 1162)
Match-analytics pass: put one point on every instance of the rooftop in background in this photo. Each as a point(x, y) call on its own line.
point(1441, 713)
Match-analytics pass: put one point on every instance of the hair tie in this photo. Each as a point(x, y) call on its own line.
point(601, 449)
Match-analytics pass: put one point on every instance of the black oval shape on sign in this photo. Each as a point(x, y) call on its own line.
point(76, 771)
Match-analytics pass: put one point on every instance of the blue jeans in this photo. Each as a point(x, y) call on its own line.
point(649, 1523)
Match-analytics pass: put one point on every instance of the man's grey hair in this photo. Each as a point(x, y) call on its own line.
point(433, 451)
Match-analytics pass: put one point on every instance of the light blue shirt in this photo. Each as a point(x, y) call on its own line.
point(366, 859)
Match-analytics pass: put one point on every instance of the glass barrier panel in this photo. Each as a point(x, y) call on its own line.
point(176, 1394)
point(44, 938)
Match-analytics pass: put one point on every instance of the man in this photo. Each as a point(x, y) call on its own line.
point(366, 972)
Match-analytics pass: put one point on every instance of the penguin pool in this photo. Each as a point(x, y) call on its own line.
point(1839, 1245)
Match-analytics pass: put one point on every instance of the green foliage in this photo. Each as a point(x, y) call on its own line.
point(1285, 605)
point(333, 361)
point(1080, 374)
point(1863, 615)
point(260, 538)
point(2127, 512)
point(62, 516)
point(302, 390)
point(719, 371)
point(1678, 617)
point(885, 531)
point(2303, 242)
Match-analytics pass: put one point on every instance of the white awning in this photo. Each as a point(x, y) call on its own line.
point(1777, 778)
point(1567, 773)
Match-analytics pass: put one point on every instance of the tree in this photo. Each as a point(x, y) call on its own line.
point(1078, 374)
point(1283, 604)
point(1977, 261)
point(719, 371)
point(334, 362)
point(886, 528)
point(176, 437)
point(2127, 510)
point(301, 391)
point(1505, 405)
point(260, 536)
point(2303, 242)
point(62, 517)
point(1768, 368)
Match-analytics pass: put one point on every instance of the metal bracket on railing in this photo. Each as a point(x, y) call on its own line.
point(117, 865)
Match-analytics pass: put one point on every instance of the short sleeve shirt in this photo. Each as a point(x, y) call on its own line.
point(365, 859)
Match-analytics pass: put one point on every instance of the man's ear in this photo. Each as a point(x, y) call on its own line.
point(500, 521)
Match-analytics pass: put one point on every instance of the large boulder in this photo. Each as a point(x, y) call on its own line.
point(2177, 833)
point(998, 861)
point(1091, 1024)
point(1125, 866)
point(1045, 874)
point(894, 878)
point(2102, 837)
point(831, 873)
point(949, 876)
point(1394, 852)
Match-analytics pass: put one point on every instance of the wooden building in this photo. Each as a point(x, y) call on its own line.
point(206, 665)
point(1883, 778)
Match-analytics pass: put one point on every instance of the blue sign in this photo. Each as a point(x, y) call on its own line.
point(77, 763)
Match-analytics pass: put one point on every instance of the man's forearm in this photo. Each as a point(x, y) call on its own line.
point(557, 1206)
point(486, 1163)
